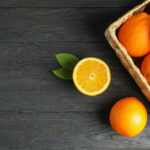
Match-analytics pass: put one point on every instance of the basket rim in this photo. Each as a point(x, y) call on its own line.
point(112, 38)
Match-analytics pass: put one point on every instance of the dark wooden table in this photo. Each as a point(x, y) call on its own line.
point(38, 111)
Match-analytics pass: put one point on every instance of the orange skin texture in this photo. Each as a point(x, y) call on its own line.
point(128, 117)
point(145, 68)
point(134, 35)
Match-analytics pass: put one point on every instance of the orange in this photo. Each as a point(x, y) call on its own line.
point(91, 76)
point(128, 117)
point(145, 68)
point(134, 35)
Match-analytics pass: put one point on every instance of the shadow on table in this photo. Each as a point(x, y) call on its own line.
point(105, 111)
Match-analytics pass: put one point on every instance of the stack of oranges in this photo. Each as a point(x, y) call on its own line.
point(134, 35)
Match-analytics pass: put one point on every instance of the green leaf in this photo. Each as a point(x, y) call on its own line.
point(67, 61)
point(63, 74)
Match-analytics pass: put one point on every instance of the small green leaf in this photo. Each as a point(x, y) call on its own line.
point(67, 61)
point(63, 74)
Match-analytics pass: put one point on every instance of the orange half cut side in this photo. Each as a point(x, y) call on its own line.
point(91, 76)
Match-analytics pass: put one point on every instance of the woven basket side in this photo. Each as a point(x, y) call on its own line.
point(121, 52)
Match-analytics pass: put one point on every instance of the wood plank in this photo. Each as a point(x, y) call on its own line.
point(56, 25)
point(68, 3)
point(26, 83)
point(83, 131)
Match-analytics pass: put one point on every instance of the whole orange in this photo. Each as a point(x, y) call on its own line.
point(128, 116)
point(145, 68)
point(134, 35)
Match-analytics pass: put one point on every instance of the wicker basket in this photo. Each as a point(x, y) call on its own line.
point(121, 52)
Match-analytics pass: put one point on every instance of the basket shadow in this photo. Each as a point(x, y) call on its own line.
point(98, 21)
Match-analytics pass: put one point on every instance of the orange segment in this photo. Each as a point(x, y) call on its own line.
point(91, 76)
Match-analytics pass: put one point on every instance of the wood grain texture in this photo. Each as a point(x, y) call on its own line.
point(64, 131)
point(68, 3)
point(56, 25)
point(38, 111)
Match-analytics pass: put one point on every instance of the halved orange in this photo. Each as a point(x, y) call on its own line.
point(91, 76)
